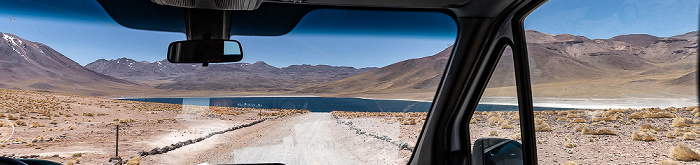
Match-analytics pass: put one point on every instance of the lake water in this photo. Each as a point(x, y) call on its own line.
point(323, 104)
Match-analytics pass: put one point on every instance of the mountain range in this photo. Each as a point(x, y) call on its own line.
point(258, 76)
point(662, 65)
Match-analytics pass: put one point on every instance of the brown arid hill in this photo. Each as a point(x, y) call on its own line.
point(563, 65)
point(34, 66)
point(255, 77)
point(421, 75)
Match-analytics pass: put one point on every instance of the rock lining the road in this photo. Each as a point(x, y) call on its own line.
point(358, 131)
point(159, 150)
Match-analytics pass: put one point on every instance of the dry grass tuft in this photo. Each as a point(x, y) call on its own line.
point(605, 131)
point(578, 120)
point(690, 136)
point(660, 115)
point(671, 135)
point(580, 127)
point(562, 119)
point(134, 161)
point(506, 125)
point(607, 118)
point(637, 115)
point(668, 162)
point(571, 145)
point(542, 126)
point(493, 133)
point(644, 135)
point(495, 120)
point(684, 153)
point(569, 163)
point(77, 154)
point(572, 115)
point(683, 122)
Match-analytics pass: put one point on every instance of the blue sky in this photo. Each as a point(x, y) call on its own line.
point(85, 38)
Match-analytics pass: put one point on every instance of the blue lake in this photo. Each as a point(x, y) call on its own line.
point(323, 104)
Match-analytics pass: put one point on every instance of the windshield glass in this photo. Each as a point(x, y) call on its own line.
point(343, 87)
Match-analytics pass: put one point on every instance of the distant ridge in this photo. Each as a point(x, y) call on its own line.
point(554, 59)
point(35, 66)
point(258, 76)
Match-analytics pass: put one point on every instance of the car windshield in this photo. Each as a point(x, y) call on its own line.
point(343, 87)
point(611, 84)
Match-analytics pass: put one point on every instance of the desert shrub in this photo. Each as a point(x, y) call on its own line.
point(517, 137)
point(684, 153)
point(20, 123)
point(569, 163)
point(659, 115)
point(690, 136)
point(493, 133)
point(506, 125)
point(134, 161)
point(671, 135)
point(580, 127)
point(587, 131)
point(637, 115)
point(495, 121)
point(607, 118)
point(562, 119)
point(605, 131)
point(515, 117)
point(72, 162)
point(682, 122)
point(410, 121)
point(668, 162)
point(571, 145)
point(78, 154)
point(542, 126)
point(644, 135)
point(578, 120)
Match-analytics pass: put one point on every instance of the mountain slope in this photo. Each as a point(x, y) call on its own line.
point(35, 66)
point(258, 76)
point(414, 75)
point(627, 61)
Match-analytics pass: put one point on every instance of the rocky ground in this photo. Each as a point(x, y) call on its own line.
point(603, 136)
point(77, 129)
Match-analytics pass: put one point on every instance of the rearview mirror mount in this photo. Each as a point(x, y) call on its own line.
point(205, 51)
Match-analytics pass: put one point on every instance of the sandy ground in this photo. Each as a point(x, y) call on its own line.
point(313, 138)
point(595, 149)
point(57, 127)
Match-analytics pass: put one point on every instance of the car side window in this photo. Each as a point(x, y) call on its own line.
point(621, 77)
point(495, 125)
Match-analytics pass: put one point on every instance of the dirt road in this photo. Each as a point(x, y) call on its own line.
point(313, 138)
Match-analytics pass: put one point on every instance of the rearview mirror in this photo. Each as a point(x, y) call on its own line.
point(205, 51)
point(497, 151)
